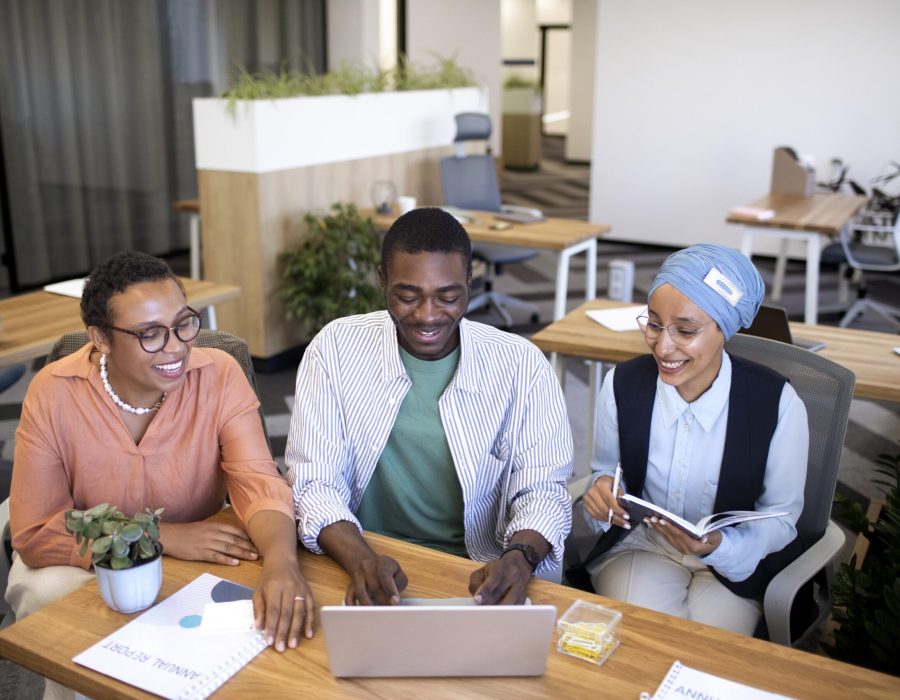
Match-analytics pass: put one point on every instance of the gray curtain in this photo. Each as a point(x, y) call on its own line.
point(95, 112)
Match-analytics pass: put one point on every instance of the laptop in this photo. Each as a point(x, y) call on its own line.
point(772, 322)
point(437, 638)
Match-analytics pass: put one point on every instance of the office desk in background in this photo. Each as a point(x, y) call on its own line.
point(806, 219)
point(33, 322)
point(869, 355)
point(47, 640)
point(566, 237)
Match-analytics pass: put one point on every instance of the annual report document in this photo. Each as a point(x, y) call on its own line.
point(684, 682)
point(169, 651)
point(638, 509)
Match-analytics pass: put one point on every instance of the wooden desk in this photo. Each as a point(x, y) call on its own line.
point(566, 237)
point(800, 218)
point(867, 354)
point(33, 322)
point(47, 640)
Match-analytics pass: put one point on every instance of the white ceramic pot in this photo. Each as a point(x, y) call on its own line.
point(130, 590)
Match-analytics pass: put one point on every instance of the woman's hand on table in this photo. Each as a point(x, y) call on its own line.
point(219, 543)
point(283, 604)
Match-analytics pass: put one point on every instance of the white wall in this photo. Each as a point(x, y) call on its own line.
point(581, 92)
point(691, 98)
point(466, 29)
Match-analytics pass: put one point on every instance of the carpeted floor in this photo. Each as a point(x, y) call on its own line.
point(559, 189)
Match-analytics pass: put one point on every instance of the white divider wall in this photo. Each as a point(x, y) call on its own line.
point(692, 97)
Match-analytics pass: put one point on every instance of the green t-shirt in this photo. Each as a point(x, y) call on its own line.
point(414, 493)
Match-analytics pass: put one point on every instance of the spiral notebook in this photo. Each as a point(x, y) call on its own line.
point(168, 652)
point(685, 682)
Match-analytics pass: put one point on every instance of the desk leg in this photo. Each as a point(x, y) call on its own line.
point(747, 242)
point(562, 284)
point(780, 269)
point(590, 283)
point(813, 251)
point(195, 246)
point(211, 317)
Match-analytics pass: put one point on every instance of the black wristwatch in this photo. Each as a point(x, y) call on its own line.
point(529, 552)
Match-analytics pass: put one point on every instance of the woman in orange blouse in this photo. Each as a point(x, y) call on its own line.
point(138, 418)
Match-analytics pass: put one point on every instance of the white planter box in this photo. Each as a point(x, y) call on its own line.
point(268, 135)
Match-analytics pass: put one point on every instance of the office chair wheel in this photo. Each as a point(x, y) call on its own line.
point(535, 318)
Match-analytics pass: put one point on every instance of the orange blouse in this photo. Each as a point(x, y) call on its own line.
point(73, 450)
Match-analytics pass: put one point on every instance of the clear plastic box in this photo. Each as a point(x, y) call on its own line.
point(587, 631)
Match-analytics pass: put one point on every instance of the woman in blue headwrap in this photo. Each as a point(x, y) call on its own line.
point(697, 432)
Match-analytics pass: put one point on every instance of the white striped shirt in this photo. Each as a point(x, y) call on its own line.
point(503, 407)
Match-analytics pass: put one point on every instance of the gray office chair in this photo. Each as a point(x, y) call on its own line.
point(799, 598)
point(470, 182)
point(880, 254)
point(69, 343)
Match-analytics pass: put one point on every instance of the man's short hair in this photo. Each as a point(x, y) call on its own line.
point(427, 230)
point(115, 275)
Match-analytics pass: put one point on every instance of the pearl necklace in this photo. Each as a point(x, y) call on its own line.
point(104, 376)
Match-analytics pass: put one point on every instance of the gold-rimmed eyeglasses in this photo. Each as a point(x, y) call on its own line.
point(155, 338)
point(678, 332)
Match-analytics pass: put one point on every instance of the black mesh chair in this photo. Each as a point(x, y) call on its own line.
point(470, 182)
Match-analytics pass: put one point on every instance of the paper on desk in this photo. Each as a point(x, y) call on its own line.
point(752, 212)
point(621, 319)
point(68, 288)
point(227, 617)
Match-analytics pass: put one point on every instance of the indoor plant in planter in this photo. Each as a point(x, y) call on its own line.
point(125, 552)
point(332, 272)
point(867, 597)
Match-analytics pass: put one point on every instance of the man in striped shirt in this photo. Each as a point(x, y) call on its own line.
point(422, 425)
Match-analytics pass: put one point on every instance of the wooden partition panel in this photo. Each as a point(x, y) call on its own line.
point(249, 219)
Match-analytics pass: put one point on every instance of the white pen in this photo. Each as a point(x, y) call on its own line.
point(615, 490)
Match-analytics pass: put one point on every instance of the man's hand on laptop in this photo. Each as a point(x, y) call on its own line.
point(377, 580)
point(374, 579)
point(504, 581)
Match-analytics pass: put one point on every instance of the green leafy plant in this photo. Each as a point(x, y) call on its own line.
point(116, 541)
point(331, 274)
point(346, 79)
point(867, 600)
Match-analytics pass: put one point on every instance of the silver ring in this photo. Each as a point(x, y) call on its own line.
point(299, 597)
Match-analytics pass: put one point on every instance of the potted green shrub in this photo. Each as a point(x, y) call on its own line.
point(867, 599)
point(126, 553)
point(332, 272)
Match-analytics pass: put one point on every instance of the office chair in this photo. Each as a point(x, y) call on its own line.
point(69, 343)
point(470, 182)
point(798, 599)
point(873, 246)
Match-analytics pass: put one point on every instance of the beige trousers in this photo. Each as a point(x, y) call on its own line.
point(30, 590)
point(645, 570)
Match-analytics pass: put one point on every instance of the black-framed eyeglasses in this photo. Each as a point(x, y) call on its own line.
point(679, 333)
point(155, 338)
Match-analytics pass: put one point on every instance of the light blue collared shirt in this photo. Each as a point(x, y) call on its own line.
point(687, 441)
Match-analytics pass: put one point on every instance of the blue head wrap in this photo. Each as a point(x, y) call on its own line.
point(721, 281)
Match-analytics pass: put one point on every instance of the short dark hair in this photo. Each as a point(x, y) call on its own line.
point(115, 275)
point(427, 230)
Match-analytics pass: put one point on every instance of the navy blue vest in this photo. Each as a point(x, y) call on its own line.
point(752, 418)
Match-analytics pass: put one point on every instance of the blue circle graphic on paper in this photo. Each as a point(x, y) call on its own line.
point(190, 621)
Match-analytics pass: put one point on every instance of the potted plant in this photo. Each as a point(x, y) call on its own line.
point(521, 123)
point(126, 553)
point(867, 593)
point(332, 272)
